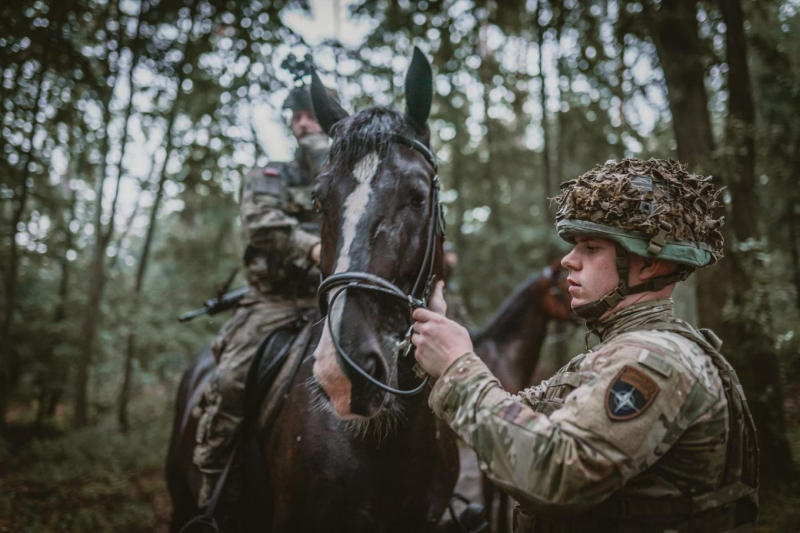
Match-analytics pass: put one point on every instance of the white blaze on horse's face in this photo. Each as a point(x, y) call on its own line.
point(326, 369)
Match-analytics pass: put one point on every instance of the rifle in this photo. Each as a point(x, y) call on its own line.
point(212, 306)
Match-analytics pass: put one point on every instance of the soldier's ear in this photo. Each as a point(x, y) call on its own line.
point(419, 91)
point(328, 110)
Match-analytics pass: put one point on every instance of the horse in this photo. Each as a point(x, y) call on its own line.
point(354, 446)
point(511, 344)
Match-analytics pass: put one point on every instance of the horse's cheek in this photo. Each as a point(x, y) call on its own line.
point(330, 376)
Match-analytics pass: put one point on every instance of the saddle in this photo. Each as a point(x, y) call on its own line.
point(271, 372)
point(270, 356)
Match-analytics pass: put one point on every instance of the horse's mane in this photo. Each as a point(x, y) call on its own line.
point(509, 317)
point(370, 130)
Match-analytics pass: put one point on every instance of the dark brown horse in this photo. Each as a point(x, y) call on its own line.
point(511, 344)
point(352, 449)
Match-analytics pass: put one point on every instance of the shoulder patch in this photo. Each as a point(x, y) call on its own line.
point(655, 362)
point(630, 394)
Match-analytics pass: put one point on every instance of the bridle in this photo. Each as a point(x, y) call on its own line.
point(420, 293)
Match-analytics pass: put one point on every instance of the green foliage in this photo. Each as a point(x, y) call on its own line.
point(527, 95)
point(95, 479)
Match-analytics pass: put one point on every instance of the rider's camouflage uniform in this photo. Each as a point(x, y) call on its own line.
point(279, 219)
point(561, 448)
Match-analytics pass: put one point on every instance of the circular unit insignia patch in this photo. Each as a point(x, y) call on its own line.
point(630, 394)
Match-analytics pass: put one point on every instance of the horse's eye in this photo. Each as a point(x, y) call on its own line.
point(418, 199)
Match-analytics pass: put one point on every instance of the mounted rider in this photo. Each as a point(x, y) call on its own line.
point(649, 430)
point(282, 232)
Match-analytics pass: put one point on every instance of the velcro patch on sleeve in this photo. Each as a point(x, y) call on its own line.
point(656, 363)
point(630, 394)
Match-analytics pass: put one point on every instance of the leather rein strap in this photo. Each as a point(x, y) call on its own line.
point(420, 292)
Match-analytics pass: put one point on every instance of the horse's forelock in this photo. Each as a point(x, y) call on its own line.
point(371, 130)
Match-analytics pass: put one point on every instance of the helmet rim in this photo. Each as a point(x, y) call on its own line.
point(684, 252)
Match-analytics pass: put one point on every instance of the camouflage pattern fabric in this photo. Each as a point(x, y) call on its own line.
point(622, 196)
point(280, 223)
point(559, 451)
point(222, 402)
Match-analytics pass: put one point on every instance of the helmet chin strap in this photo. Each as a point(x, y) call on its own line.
point(592, 311)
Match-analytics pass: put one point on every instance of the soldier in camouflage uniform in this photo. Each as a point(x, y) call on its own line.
point(281, 258)
point(649, 431)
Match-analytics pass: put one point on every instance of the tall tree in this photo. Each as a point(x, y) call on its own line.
point(103, 232)
point(734, 309)
point(22, 192)
point(163, 174)
point(748, 320)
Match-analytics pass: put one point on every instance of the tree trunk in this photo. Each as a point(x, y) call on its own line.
point(91, 316)
point(731, 308)
point(48, 375)
point(675, 32)
point(7, 352)
point(547, 168)
point(135, 54)
point(740, 127)
point(791, 227)
point(97, 275)
point(748, 329)
point(130, 353)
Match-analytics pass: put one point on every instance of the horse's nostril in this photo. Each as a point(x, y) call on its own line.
point(372, 365)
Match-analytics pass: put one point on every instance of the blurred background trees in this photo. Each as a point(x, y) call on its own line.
point(127, 124)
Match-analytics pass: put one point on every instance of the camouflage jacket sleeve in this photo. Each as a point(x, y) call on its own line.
point(266, 223)
point(578, 456)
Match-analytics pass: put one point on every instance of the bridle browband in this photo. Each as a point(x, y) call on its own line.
point(420, 292)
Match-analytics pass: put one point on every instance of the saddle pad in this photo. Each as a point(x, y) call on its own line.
point(267, 362)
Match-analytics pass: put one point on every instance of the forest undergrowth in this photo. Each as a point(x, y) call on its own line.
point(91, 480)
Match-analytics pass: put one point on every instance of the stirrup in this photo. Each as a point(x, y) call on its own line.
point(207, 518)
point(201, 521)
point(472, 519)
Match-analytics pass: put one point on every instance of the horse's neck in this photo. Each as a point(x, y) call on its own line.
point(517, 340)
point(534, 330)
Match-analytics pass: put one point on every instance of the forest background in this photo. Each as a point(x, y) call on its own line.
point(127, 125)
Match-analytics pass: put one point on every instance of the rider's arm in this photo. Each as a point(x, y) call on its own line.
point(268, 226)
point(577, 456)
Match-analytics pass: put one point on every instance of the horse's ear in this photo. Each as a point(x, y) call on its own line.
point(419, 91)
point(328, 110)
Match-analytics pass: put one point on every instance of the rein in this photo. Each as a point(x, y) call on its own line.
point(423, 285)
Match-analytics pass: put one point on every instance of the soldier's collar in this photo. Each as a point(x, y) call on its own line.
point(632, 318)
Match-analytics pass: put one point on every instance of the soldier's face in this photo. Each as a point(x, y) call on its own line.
point(592, 269)
point(304, 123)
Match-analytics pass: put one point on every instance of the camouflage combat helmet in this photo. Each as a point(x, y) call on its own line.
point(299, 97)
point(655, 209)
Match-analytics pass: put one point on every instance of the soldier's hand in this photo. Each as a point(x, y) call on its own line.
point(439, 340)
